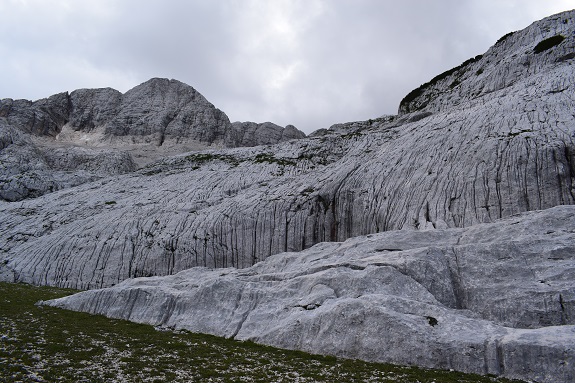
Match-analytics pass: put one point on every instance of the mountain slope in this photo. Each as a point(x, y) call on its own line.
point(485, 157)
point(69, 139)
point(535, 52)
point(466, 284)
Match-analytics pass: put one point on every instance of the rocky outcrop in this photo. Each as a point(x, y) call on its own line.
point(488, 157)
point(156, 110)
point(491, 299)
point(93, 108)
point(167, 109)
point(44, 117)
point(153, 112)
point(355, 127)
point(542, 46)
point(267, 133)
point(28, 170)
point(91, 133)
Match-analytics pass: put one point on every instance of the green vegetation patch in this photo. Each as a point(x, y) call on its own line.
point(44, 344)
point(504, 37)
point(548, 43)
point(202, 158)
point(271, 159)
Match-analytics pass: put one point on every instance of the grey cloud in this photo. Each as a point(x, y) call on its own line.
point(309, 63)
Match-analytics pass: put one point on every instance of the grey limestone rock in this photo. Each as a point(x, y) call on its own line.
point(29, 169)
point(91, 133)
point(165, 109)
point(319, 133)
point(458, 275)
point(489, 157)
point(162, 109)
point(505, 65)
point(44, 117)
point(158, 108)
point(356, 127)
point(267, 133)
point(98, 162)
point(493, 298)
point(92, 108)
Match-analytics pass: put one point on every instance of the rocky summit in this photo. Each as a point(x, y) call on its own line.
point(69, 139)
point(441, 236)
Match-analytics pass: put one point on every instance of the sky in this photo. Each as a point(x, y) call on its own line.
point(309, 63)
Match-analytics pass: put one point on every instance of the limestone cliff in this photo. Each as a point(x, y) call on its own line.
point(487, 157)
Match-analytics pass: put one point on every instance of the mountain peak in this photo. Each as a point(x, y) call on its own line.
point(156, 119)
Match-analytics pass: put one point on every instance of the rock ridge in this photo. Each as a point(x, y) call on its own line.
point(511, 59)
point(266, 133)
point(154, 111)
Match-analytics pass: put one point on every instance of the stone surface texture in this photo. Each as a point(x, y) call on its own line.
point(493, 298)
point(29, 169)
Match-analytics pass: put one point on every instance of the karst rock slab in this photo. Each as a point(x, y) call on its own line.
point(493, 298)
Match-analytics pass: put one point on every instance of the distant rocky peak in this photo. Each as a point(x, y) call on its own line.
point(163, 92)
point(513, 58)
point(43, 117)
point(71, 138)
point(93, 107)
point(266, 133)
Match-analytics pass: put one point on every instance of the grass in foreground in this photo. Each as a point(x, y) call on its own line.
point(43, 344)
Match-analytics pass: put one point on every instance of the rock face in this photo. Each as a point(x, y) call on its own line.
point(156, 110)
point(483, 158)
point(162, 109)
point(354, 127)
point(491, 299)
point(69, 139)
point(44, 117)
point(29, 170)
point(517, 55)
point(267, 133)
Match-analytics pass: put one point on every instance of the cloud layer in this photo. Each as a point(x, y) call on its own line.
point(310, 63)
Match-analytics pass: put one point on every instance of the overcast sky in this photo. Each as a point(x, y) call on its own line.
point(310, 63)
